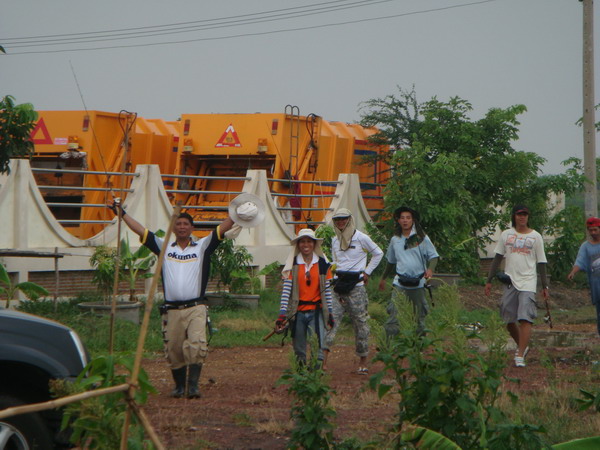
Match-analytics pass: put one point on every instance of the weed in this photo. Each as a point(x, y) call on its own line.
point(242, 420)
point(274, 426)
point(311, 411)
point(446, 385)
point(98, 422)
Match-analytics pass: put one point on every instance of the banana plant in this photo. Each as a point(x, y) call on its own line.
point(135, 265)
point(31, 290)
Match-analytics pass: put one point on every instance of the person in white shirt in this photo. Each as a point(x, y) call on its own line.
point(523, 249)
point(185, 276)
point(350, 249)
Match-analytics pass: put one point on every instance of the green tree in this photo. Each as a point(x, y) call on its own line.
point(16, 123)
point(460, 173)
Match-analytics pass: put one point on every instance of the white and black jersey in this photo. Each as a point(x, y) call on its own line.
point(184, 271)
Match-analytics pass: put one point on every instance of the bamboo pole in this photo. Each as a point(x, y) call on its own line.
point(57, 403)
point(144, 329)
point(139, 412)
point(115, 293)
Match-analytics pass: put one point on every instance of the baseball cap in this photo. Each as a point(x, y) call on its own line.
point(520, 209)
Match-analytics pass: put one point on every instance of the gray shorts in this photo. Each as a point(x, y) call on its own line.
point(517, 305)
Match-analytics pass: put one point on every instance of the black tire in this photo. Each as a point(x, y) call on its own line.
point(23, 432)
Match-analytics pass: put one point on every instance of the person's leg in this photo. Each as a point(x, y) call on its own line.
point(316, 324)
point(524, 336)
point(173, 337)
point(195, 347)
point(513, 330)
point(598, 316)
point(358, 311)
point(420, 307)
point(338, 315)
point(299, 337)
point(509, 306)
point(391, 325)
point(526, 315)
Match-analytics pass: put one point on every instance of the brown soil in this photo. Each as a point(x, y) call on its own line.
point(242, 407)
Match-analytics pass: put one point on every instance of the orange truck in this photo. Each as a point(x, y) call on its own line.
point(203, 159)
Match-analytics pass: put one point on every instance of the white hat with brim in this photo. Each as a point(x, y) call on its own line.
point(247, 210)
point(342, 213)
point(306, 232)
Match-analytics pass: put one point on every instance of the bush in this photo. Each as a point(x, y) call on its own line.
point(445, 383)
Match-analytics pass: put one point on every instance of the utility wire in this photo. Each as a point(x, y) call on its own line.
point(137, 35)
point(278, 14)
point(262, 33)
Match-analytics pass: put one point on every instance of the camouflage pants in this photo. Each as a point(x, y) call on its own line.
point(355, 304)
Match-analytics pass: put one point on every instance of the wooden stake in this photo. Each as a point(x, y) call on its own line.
point(144, 329)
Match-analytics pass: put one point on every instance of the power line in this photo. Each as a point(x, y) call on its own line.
point(261, 33)
point(212, 24)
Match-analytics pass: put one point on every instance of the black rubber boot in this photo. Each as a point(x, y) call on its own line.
point(193, 379)
point(179, 377)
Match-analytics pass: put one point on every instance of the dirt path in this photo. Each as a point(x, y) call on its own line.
point(242, 408)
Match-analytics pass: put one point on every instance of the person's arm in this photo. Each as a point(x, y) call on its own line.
point(286, 292)
point(573, 271)
point(224, 227)
point(133, 224)
point(493, 269)
point(542, 270)
point(376, 257)
point(431, 267)
point(389, 269)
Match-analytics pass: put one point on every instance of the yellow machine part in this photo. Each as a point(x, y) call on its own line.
point(95, 141)
point(287, 146)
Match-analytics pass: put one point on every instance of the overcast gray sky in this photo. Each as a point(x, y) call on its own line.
point(493, 53)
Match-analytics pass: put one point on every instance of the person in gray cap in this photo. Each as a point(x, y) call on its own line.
point(350, 249)
point(523, 249)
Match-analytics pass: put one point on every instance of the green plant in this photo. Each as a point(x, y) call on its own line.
point(310, 411)
point(226, 259)
point(31, 290)
point(326, 233)
point(247, 282)
point(132, 263)
point(97, 422)
point(568, 226)
point(103, 260)
point(444, 383)
point(16, 124)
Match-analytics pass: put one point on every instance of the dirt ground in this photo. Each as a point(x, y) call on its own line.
point(243, 408)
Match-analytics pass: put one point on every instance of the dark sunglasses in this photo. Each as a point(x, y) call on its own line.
point(307, 276)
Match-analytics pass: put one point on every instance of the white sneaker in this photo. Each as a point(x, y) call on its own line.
point(519, 361)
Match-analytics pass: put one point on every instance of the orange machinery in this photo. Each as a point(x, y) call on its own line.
point(288, 146)
point(94, 141)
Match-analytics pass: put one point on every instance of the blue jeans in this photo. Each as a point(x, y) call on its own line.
point(305, 324)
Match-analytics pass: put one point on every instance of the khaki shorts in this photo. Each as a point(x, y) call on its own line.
point(517, 305)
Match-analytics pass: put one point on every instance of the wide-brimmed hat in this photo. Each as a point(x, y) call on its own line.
point(306, 232)
point(247, 210)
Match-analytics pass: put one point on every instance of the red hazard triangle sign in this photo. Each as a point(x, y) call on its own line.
point(41, 126)
point(229, 138)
